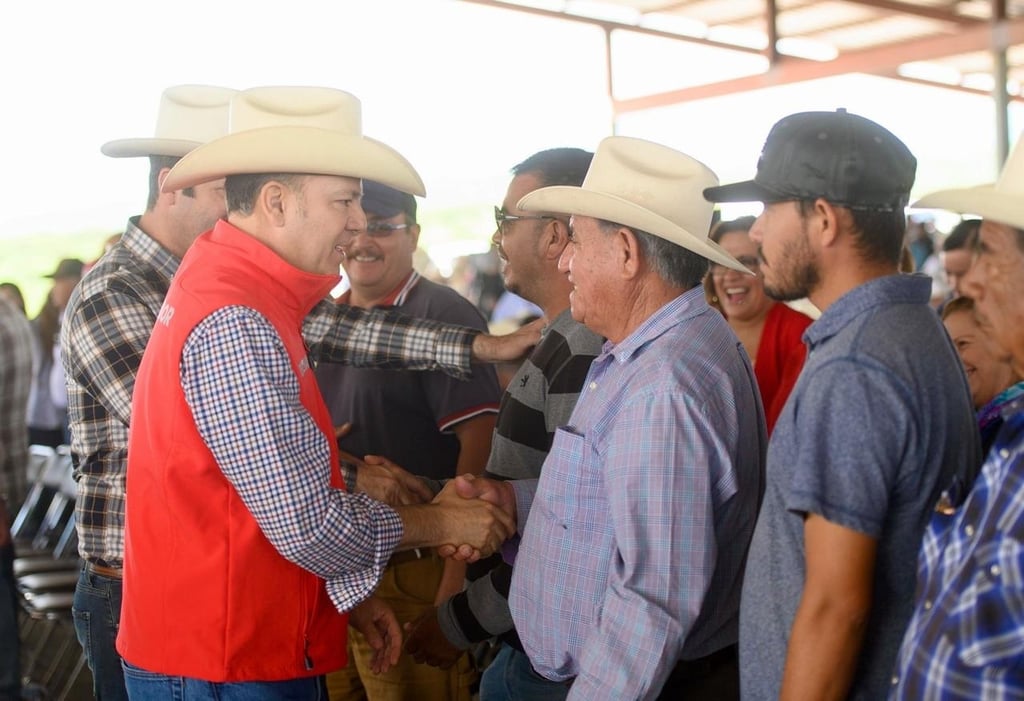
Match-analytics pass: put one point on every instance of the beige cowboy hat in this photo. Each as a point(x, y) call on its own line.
point(189, 116)
point(287, 129)
point(1001, 201)
point(645, 186)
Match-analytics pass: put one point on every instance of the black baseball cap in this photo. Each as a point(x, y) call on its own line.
point(384, 202)
point(841, 157)
point(68, 269)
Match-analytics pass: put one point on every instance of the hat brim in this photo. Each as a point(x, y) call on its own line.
point(300, 150)
point(747, 191)
point(134, 148)
point(563, 199)
point(983, 200)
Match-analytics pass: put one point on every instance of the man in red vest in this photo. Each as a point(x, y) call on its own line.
point(243, 548)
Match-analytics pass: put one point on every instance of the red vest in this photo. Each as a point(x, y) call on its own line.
point(205, 593)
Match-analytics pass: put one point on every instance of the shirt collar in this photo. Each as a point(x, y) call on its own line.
point(395, 298)
point(297, 288)
point(146, 248)
point(686, 306)
point(883, 291)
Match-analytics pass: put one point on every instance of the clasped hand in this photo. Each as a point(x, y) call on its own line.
point(492, 506)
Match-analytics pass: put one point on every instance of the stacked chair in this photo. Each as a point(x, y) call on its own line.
point(46, 568)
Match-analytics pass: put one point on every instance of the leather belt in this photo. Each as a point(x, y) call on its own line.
point(405, 556)
point(103, 570)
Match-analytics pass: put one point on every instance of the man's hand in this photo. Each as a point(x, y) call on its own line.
point(474, 527)
point(376, 621)
point(513, 346)
point(387, 482)
point(494, 492)
point(427, 644)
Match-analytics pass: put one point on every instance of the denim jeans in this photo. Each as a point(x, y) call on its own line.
point(511, 677)
point(97, 613)
point(150, 686)
point(10, 658)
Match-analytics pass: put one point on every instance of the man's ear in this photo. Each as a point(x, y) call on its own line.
point(554, 237)
point(272, 200)
point(627, 252)
point(414, 234)
point(172, 197)
point(824, 223)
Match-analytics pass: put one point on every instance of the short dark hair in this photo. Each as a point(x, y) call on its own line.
point(240, 191)
point(957, 304)
point(557, 166)
point(962, 235)
point(674, 264)
point(879, 232)
point(729, 226)
point(156, 164)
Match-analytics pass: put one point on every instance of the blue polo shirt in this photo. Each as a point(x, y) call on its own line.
point(878, 425)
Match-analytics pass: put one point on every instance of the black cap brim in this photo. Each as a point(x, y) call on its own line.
point(747, 191)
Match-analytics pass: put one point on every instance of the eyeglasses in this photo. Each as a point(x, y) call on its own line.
point(501, 217)
point(751, 263)
point(381, 230)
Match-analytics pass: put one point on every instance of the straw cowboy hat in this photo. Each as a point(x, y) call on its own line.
point(189, 116)
point(1001, 201)
point(645, 186)
point(307, 130)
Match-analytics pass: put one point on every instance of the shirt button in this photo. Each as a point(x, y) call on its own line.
point(928, 605)
point(1004, 453)
point(995, 571)
point(895, 681)
point(593, 385)
point(969, 529)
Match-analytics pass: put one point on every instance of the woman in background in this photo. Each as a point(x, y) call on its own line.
point(48, 401)
point(770, 331)
point(991, 378)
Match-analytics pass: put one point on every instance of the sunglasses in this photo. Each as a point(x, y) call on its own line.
point(752, 263)
point(381, 230)
point(501, 217)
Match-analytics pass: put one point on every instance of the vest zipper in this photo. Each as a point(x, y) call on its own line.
point(305, 653)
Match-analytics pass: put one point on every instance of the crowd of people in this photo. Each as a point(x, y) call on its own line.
point(684, 487)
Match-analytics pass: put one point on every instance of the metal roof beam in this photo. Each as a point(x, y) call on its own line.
point(927, 11)
point(874, 60)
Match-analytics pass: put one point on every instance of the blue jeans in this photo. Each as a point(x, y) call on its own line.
point(97, 613)
point(511, 677)
point(10, 658)
point(149, 686)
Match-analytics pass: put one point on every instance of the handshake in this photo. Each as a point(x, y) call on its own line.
point(468, 519)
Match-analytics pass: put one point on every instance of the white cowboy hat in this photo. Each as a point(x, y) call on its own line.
point(645, 186)
point(1001, 201)
point(189, 116)
point(307, 130)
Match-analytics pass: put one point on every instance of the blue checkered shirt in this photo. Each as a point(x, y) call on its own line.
point(966, 638)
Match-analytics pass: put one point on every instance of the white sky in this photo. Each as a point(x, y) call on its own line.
point(463, 91)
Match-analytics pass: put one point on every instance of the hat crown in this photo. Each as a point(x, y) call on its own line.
point(188, 116)
point(663, 181)
point(280, 106)
point(842, 157)
point(193, 112)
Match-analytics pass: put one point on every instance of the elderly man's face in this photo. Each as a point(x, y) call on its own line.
point(996, 284)
point(590, 262)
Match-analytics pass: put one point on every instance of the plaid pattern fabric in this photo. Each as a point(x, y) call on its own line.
point(638, 531)
point(966, 638)
point(105, 331)
point(244, 395)
point(15, 380)
point(107, 326)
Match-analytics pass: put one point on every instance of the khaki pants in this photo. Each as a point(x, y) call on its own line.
point(409, 589)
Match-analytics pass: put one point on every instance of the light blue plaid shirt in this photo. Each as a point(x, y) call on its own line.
point(633, 551)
